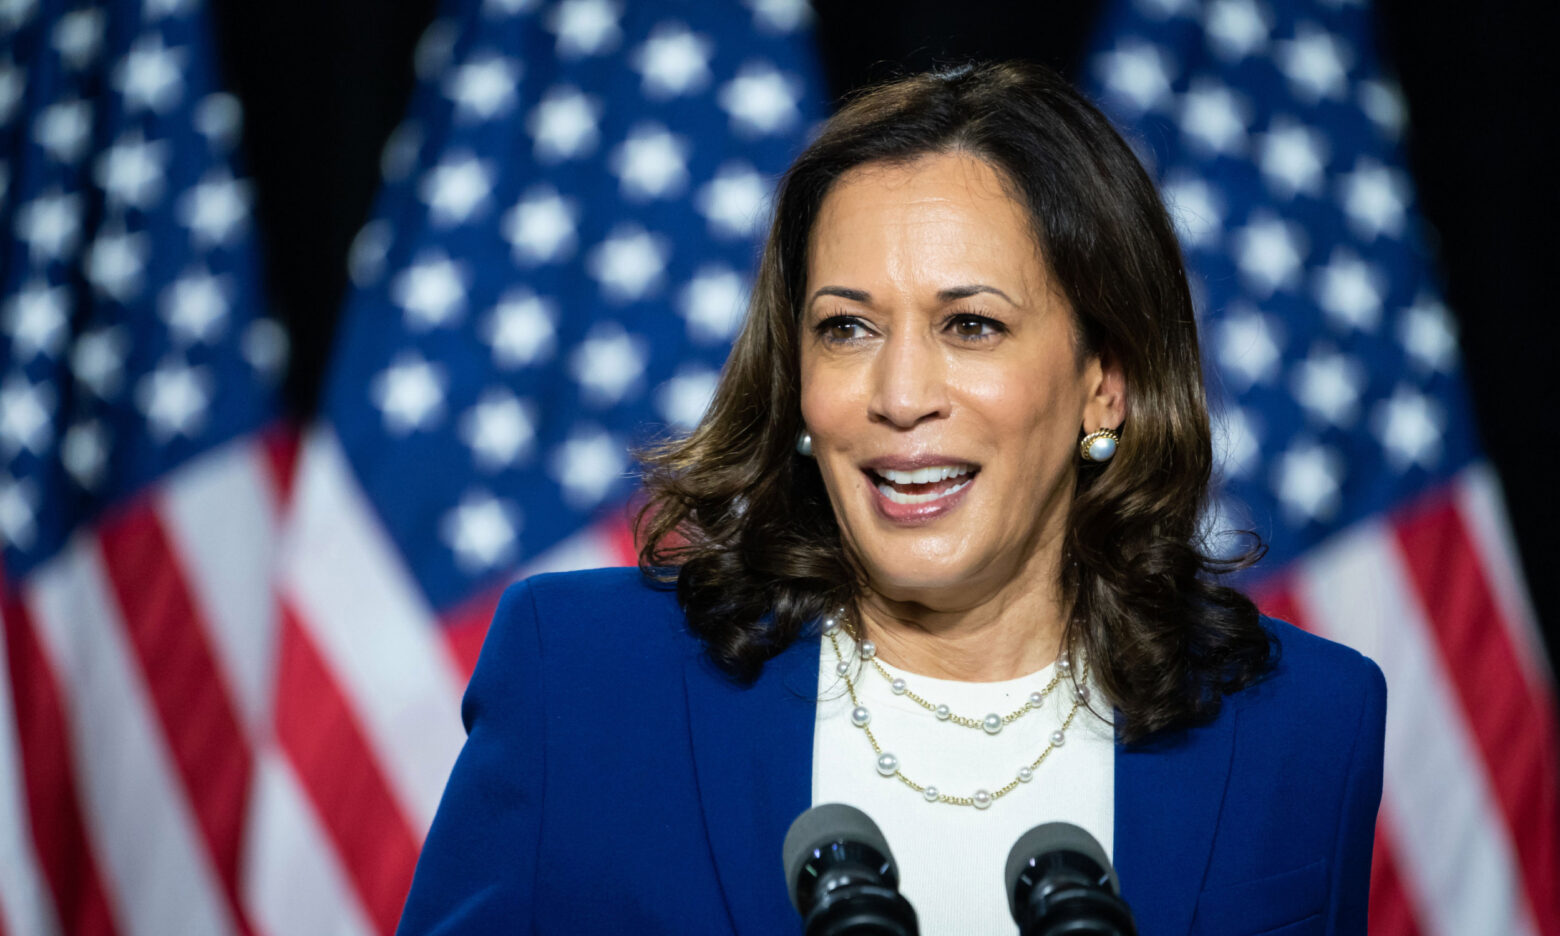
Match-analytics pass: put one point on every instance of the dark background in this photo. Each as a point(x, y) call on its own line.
point(323, 84)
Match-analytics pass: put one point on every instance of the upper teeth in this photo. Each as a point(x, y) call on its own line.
point(923, 475)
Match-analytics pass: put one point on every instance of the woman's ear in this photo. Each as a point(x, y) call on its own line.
point(1106, 406)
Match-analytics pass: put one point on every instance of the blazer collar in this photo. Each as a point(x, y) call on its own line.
point(753, 752)
point(1168, 797)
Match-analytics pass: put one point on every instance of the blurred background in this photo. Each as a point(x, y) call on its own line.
point(323, 322)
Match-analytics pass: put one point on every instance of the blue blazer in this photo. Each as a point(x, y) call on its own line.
point(613, 781)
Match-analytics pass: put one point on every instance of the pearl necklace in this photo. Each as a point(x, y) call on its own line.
point(888, 763)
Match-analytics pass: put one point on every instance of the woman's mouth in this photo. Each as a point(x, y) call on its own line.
point(921, 485)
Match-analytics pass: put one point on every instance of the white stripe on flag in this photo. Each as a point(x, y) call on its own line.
point(591, 548)
point(220, 511)
point(26, 908)
point(294, 885)
point(1483, 509)
point(373, 627)
point(151, 853)
point(1450, 841)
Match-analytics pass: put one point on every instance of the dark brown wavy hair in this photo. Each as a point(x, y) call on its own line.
point(744, 525)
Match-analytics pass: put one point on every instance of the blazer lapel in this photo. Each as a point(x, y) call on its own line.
point(752, 751)
point(1168, 797)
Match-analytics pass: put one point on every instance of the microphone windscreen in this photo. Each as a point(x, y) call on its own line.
point(823, 825)
point(1053, 837)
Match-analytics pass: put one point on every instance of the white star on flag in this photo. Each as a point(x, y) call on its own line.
point(683, 399)
point(98, 360)
point(1248, 347)
point(500, 430)
point(780, 16)
point(1328, 384)
point(673, 61)
point(481, 531)
point(216, 209)
point(78, 37)
point(1292, 157)
point(1316, 63)
point(587, 466)
point(174, 399)
point(220, 118)
point(651, 163)
point(1429, 335)
point(714, 303)
point(50, 225)
point(150, 76)
point(26, 416)
point(735, 201)
point(520, 329)
point(608, 363)
point(1269, 252)
point(585, 27)
point(761, 100)
point(1214, 118)
point(629, 263)
point(1236, 450)
point(195, 306)
point(1236, 28)
point(456, 189)
point(84, 453)
point(64, 130)
point(13, 82)
point(563, 125)
point(1349, 290)
point(409, 393)
point(116, 261)
point(131, 171)
point(18, 511)
point(37, 319)
point(1308, 481)
point(1195, 209)
point(432, 291)
point(540, 227)
point(1409, 425)
point(483, 88)
point(1138, 74)
point(1375, 199)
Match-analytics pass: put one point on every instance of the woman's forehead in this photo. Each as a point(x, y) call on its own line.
point(942, 218)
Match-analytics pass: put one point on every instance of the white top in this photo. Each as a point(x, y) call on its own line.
point(951, 858)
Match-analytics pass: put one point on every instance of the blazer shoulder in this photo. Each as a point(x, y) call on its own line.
point(1330, 682)
point(600, 611)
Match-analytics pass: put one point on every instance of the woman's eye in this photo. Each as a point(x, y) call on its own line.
point(841, 328)
point(974, 326)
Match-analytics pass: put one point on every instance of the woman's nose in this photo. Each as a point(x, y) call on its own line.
point(909, 381)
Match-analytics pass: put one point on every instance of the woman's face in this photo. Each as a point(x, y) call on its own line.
point(941, 382)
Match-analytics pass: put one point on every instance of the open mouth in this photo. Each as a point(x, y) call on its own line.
point(922, 485)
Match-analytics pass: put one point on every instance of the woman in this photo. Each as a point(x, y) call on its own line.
point(914, 572)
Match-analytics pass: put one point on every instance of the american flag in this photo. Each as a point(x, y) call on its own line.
point(555, 268)
point(1344, 428)
point(138, 481)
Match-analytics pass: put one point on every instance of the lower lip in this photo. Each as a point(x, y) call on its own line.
point(915, 514)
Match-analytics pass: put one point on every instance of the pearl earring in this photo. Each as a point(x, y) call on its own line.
point(804, 444)
point(1099, 445)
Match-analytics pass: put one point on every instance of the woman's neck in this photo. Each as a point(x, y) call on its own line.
point(1013, 633)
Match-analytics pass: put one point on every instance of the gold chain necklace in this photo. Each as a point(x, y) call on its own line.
point(888, 763)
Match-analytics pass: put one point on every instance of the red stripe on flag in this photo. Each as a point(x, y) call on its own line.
point(280, 444)
point(1391, 908)
point(466, 627)
point(321, 735)
point(184, 682)
point(1513, 723)
point(49, 776)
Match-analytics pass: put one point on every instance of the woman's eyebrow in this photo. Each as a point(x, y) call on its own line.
point(950, 294)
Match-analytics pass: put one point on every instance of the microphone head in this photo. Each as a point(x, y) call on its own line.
point(1053, 837)
point(824, 825)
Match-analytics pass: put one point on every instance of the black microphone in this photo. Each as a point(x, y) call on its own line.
point(1060, 882)
point(841, 875)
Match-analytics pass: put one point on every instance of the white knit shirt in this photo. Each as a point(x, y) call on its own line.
point(951, 858)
